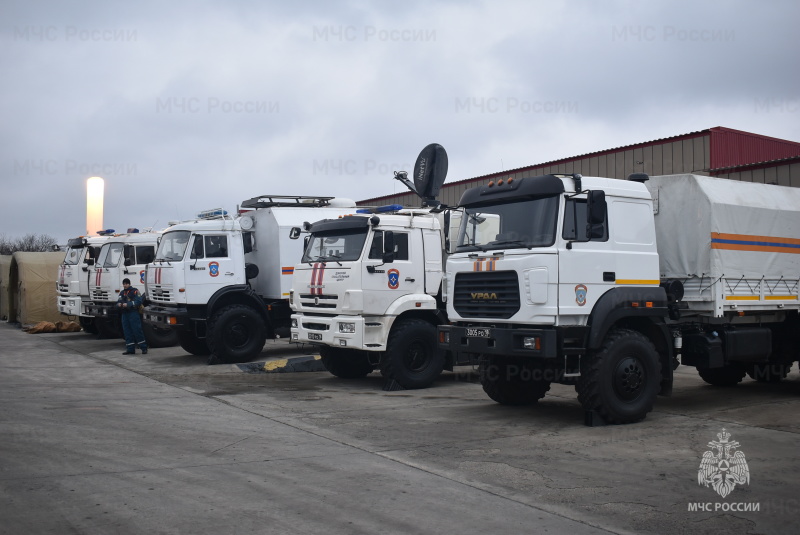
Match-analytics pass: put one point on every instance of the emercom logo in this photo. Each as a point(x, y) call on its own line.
point(723, 468)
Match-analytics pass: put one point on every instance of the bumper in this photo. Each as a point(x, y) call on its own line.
point(532, 343)
point(368, 334)
point(100, 310)
point(70, 305)
point(166, 316)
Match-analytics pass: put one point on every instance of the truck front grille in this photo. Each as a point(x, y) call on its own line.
point(100, 295)
point(486, 294)
point(318, 301)
point(160, 295)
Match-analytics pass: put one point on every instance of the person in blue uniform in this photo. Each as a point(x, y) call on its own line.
point(128, 303)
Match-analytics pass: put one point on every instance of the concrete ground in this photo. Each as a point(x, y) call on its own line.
point(92, 441)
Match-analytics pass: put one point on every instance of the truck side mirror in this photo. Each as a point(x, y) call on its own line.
point(596, 212)
point(128, 262)
point(294, 233)
point(446, 230)
point(388, 247)
point(596, 209)
point(90, 261)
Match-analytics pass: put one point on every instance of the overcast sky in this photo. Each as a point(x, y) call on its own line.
point(183, 106)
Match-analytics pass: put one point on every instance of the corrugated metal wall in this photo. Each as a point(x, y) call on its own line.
point(787, 174)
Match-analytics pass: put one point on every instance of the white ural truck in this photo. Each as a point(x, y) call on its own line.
point(604, 283)
point(72, 286)
point(368, 288)
point(122, 256)
point(222, 283)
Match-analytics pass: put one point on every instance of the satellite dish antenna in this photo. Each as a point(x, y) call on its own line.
point(430, 170)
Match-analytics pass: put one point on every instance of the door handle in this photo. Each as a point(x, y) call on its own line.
point(228, 273)
point(409, 279)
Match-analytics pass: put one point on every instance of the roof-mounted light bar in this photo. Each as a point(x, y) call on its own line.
point(214, 213)
point(380, 209)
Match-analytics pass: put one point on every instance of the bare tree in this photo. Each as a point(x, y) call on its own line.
point(29, 243)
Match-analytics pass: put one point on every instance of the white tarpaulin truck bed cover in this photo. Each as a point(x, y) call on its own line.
point(733, 243)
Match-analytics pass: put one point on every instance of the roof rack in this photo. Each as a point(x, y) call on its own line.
point(267, 201)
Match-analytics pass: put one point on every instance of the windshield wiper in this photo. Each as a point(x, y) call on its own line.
point(328, 258)
point(472, 246)
point(518, 242)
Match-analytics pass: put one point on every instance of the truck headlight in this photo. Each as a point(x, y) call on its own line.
point(347, 328)
point(294, 323)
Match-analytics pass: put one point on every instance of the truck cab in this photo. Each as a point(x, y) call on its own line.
point(221, 283)
point(72, 286)
point(367, 292)
point(551, 271)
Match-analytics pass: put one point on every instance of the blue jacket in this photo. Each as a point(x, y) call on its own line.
point(132, 297)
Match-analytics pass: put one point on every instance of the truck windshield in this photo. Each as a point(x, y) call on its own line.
point(111, 254)
point(335, 246)
point(527, 223)
point(73, 256)
point(173, 245)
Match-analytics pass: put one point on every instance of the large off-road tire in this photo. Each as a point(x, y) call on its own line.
point(728, 375)
point(512, 382)
point(87, 324)
point(345, 363)
point(620, 381)
point(412, 357)
point(769, 372)
point(107, 329)
point(192, 344)
point(236, 334)
point(158, 337)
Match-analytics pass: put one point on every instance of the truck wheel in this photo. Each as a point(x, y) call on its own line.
point(106, 329)
point(620, 381)
point(159, 337)
point(769, 373)
point(728, 375)
point(192, 344)
point(412, 356)
point(345, 363)
point(510, 382)
point(87, 324)
point(236, 334)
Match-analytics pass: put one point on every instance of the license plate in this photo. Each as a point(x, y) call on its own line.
point(314, 336)
point(478, 333)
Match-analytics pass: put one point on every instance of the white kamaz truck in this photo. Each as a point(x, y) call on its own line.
point(368, 288)
point(122, 256)
point(72, 286)
point(604, 283)
point(222, 283)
